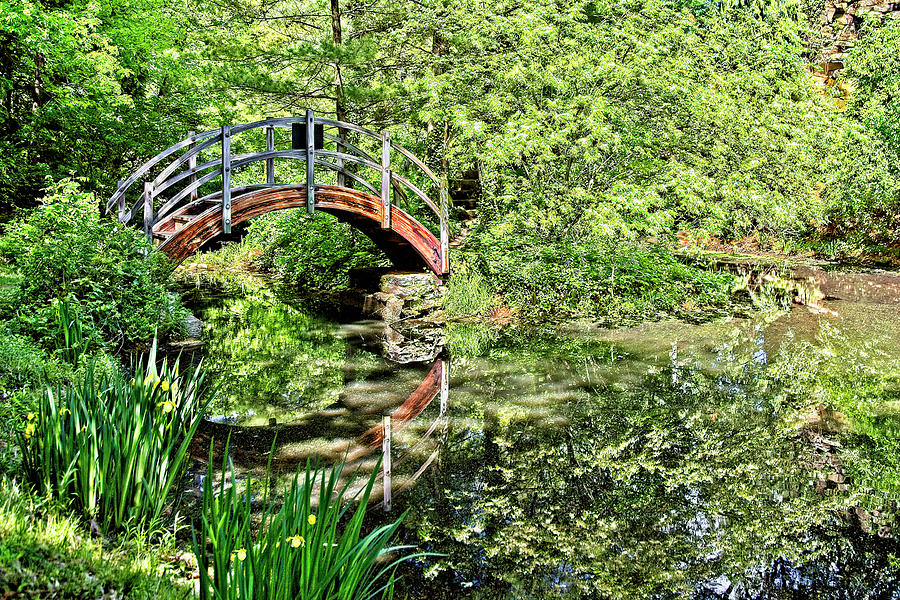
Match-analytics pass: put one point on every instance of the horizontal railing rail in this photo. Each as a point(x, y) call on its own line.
point(173, 178)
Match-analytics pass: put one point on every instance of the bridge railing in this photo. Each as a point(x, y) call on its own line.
point(173, 178)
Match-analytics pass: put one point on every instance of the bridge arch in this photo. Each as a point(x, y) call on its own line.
point(406, 242)
point(180, 221)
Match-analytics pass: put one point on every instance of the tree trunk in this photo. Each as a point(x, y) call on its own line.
point(340, 110)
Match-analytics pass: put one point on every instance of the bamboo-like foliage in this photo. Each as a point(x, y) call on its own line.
point(115, 448)
point(299, 550)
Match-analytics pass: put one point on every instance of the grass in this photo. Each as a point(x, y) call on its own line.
point(302, 550)
point(468, 294)
point(45, 553)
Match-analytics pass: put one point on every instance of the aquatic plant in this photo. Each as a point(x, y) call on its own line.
point(300, 550)
point(111, 447)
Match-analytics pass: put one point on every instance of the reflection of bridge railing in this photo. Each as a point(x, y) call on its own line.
point(175, 177)
point(251, 445)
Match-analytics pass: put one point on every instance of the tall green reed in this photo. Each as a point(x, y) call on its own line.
point(301, 550)
point(113, 447)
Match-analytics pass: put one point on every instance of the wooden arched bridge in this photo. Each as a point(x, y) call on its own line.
point(199, 188)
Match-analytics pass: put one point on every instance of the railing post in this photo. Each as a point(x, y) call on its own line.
point(341, 177)
point(226, 178)
point(270, 147)
point(310, 161)
point(445, 386)
point(148, 211)
point(192, 164)
point(445, 227)
point(386, 180)
point(386, 462)
point(121, 201)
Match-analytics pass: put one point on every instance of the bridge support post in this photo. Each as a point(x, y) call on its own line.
point(226, 178)
point(148, 211)
point(386, 462)
point(192, 164)
point(310, 161)
point(270, 147)
point(386, 179)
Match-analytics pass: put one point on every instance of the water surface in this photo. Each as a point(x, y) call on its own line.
point(750, 457)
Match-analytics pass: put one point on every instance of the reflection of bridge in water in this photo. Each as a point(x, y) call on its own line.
point(351, 440)
point(189, 198)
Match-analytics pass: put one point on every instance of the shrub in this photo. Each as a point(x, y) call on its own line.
point(64, 249)
point(113, 448)
point(299, 551)
point(595, 276)
point(315, 251)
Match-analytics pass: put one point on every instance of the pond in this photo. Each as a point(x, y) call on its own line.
point(754, 456)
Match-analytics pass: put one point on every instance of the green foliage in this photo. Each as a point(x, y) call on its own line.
point(864, 193)
point(467, 292)
point(313, 252)
point(88, 87)
point(612, 118)
point(22, 363)
point(301, 549)
point(111, 448)
point(45, 553)
point(615, 279)
point(65, 250)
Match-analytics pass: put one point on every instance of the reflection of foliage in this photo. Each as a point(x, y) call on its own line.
point(270, 358)
point(578, 476)
point(469, 339)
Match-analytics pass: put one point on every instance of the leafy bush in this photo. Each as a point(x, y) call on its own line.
point(604, 277)
point(314, 252)
point(114, 448)
point(22, 362)
point(299, 551)
point(64, 249)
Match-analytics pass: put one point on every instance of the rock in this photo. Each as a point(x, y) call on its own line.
point(193, 326)
point(399, 296)
point(412, 342)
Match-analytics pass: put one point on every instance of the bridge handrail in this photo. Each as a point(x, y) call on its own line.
point(222, 166)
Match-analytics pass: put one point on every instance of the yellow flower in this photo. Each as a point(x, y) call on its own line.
point(31, 416)
point(29, 431)
point(164, 385)
point(296, 541)
point(241, 554)
point(167, 406)
point(65, 411)
point(311, 519)
point(83, 428)
point(132, 381)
